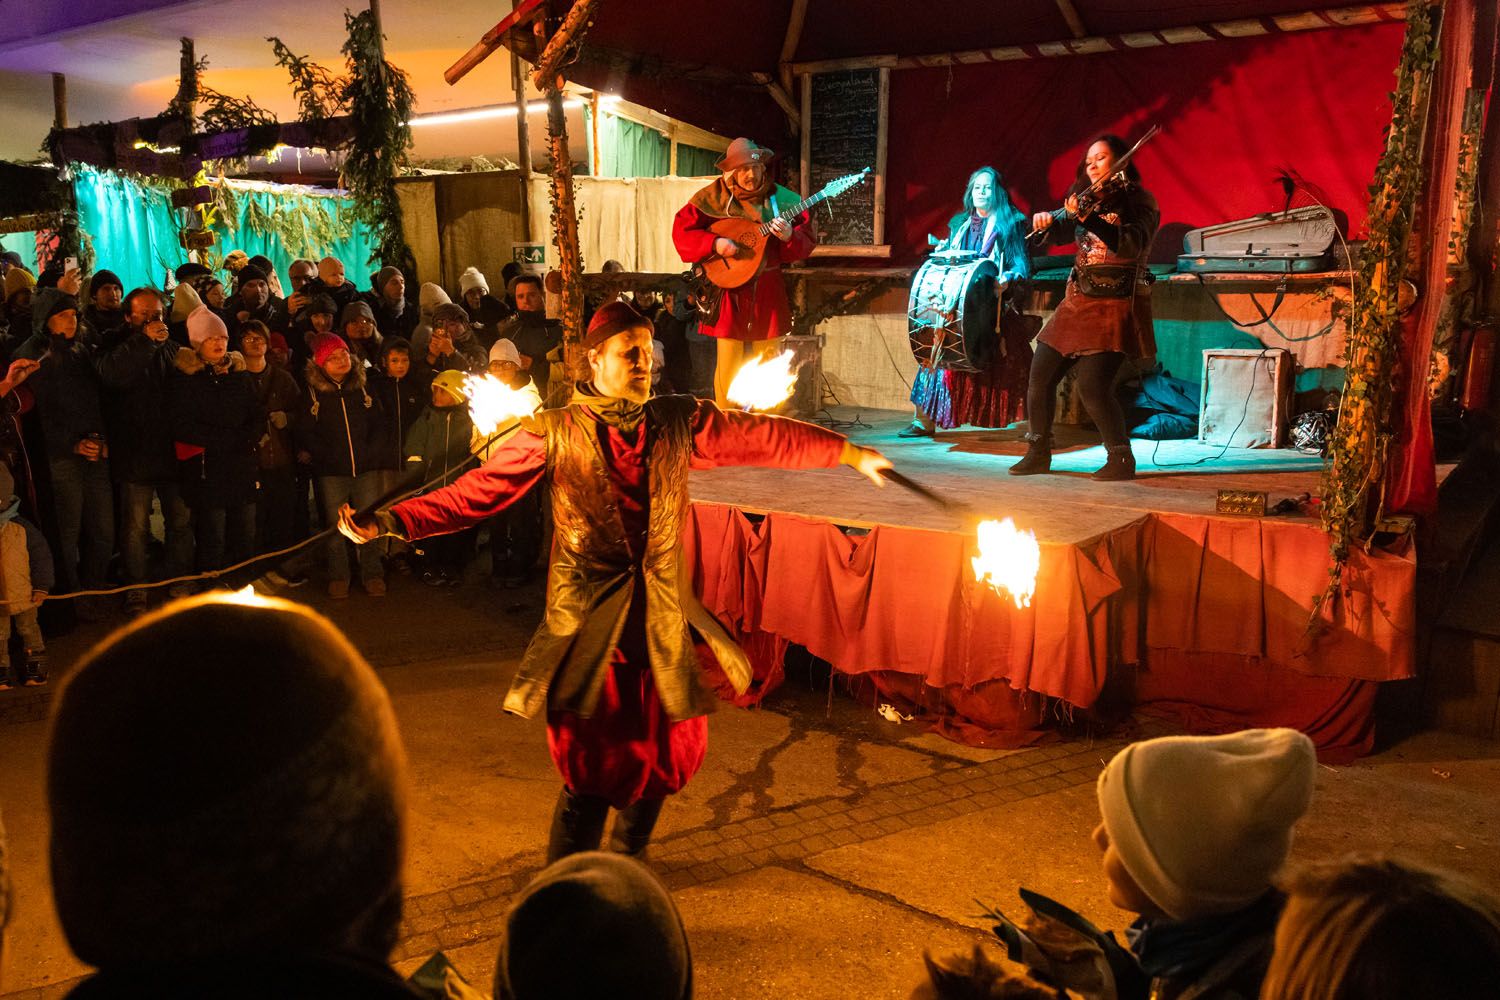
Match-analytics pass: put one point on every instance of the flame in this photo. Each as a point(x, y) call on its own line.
point(1008, 560)
point(763, 383)
point(492, 402)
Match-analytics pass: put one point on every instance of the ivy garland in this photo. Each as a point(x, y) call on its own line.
point(379, 98)
point(1361, 439)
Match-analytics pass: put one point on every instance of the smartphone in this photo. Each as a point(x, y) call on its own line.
point(70, 264)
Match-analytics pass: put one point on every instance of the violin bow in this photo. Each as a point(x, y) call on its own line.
point(1118, 166)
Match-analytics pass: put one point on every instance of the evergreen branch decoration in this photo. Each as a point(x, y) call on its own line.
point(318, 90)
point(1359, 445)
point(215, 111)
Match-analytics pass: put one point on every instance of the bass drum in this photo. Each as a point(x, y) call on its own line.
point(951, 314)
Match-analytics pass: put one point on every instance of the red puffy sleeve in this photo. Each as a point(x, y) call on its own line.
point(513, 468)
point(691, 235)
point(732, 437)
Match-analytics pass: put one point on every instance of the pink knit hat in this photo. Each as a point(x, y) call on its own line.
point(204, 324)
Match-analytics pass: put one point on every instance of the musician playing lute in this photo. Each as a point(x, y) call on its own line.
point(1105, 315)
point(989, 226)
point(758, 310)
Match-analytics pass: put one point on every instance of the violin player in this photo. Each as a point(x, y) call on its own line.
point(1105, 314)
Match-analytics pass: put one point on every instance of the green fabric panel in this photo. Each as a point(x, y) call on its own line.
point(695, 161)
point(132, 228)
point(1180, 344)
point(23, 244)
point(627, 149)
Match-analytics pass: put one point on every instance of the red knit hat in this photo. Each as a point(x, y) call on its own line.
point(324, 347)
point(616, 317)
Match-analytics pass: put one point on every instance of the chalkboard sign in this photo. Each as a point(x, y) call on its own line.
point(844, 132)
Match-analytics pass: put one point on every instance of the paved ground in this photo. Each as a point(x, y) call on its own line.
point(817, 854)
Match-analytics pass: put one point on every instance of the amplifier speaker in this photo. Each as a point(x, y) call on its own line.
point(1246, 398)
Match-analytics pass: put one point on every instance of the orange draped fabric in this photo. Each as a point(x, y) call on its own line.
point(1213, 610)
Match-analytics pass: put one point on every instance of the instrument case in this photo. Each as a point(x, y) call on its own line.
point(1291, 242)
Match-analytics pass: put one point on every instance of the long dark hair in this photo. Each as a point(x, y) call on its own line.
point(1117, 146)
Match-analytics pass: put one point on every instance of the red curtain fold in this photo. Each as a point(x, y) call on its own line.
point(1411, 474)
point(1233, 112)
point(1214, 609)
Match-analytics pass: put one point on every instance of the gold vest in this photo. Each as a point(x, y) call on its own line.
point(593, 578)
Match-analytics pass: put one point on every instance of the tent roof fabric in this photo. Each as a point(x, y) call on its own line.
point(693, 61)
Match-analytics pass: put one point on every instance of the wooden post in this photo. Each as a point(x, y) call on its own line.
point(187, 82)
point(594, 132)
point(523, 142)
point(59, 101)
point(564, 218)
point(379, 27)
point(672, 150)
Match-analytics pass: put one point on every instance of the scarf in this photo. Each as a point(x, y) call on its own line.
point(1172, 949)
point(721, 200)
point(621, 414)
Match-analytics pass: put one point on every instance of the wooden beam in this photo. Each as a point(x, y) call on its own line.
point(564, 219)
point(882, 140)
point(790, 42)
point(523, 12)
point(523, 140)
point(379, 27)
point(559, 45)
point(835, 65)
point(594, 132)
point(59, 101)
point(1342, 17)
point(1070, 15)
point(782, 99)
point(806, 158)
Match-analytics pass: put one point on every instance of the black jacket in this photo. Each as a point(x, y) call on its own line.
point(250, 977)
point(134, 371)
point(66, 388)
point(340, 426)
point(216, 422)
point(389, 322)
point(400, 401)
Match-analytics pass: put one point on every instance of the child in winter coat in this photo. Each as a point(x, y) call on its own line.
point(338, 432)
point(402, 397)
point(25, 578)
point(437, 447)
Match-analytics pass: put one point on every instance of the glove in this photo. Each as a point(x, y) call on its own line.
point(1065, 949)
point(278, 419)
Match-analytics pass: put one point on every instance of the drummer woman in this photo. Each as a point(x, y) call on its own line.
point(990, 226)
point(1105, 315)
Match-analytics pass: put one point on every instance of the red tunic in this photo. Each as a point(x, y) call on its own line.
point(628, 749)
point(758, 309)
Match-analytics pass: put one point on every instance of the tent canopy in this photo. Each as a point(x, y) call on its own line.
point(1241, 90)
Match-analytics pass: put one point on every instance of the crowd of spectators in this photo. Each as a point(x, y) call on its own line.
point(155, 434)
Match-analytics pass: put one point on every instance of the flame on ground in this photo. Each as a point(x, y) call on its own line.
point(1008, 560)
point(492, 402)
point(763, 383)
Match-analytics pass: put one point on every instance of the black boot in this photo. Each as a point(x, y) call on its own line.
point(633, 826)
point(1038, 457)
point(577, 824)
point(36, 669)
point(1119, 466)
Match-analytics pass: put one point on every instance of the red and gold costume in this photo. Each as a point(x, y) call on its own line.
point(614, 661)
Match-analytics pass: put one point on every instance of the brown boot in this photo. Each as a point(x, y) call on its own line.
point(1038, 457)
point(1119, 466)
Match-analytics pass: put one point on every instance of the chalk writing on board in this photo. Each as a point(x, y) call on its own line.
point(843, 138)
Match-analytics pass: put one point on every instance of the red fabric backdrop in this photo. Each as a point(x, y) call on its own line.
point(1233, 113)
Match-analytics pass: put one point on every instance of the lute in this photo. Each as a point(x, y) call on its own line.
point(753, 237)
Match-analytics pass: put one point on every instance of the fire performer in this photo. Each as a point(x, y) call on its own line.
point(614, 661)
point(1105, 315)
point(758, 310)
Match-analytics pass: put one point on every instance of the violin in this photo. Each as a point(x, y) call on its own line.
point(1105, 188)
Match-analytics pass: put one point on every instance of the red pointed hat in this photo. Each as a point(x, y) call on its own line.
point(741, 153)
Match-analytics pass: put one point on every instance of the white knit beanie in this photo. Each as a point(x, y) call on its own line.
point(202, 324)
point(505, 350)
point(1203, 823)
point(471, 278)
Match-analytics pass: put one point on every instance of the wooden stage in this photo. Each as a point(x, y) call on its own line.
point(1066, 507)
point(1143, 586)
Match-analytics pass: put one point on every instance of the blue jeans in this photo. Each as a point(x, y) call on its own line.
point(358, 491)
point(84, 500)
point(135, 523)
point(225, 535)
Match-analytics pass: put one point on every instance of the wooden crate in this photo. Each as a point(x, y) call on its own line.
point(1462, 683)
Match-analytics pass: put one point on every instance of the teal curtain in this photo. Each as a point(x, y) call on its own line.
point(694, 161)
point(627, 149)
point(23, 244)
point(131, 227)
